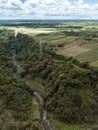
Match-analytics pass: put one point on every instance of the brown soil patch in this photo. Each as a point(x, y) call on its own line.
point(75, 50)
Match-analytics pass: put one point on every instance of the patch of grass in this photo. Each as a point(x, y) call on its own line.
point(35, 113)
point(95, 64)
point(75, 50)
point(58, 125)
point(36, 86)
point(66, 40)
point(90, 56)
point(72, 50)
point(90, 45)
point(40, 81)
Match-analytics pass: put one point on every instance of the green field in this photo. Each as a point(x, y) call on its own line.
point(90, 56)
point(62, 126)
point(36, 86)
point(35, 113)
point(79, 43)
point(59, 125)
point(95, 63)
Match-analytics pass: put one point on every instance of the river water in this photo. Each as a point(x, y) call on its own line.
point(46, 122)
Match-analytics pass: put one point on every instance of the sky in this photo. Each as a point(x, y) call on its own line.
point(48, 9)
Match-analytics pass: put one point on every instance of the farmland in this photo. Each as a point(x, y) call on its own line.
point(76, 39)
point(79, 40)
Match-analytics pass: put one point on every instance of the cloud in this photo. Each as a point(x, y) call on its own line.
point(14, 5)
point(53, 9)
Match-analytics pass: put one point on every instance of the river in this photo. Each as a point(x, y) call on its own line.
point(46, 122)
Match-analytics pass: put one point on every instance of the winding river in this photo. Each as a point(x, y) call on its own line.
point(46, 122)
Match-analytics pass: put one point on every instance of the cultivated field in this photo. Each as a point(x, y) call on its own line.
point(79, 40)
point(75, 50)
point(81, 43)
point(91, 56)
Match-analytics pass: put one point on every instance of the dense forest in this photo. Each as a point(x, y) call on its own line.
point(15, 95)
point(70, 86)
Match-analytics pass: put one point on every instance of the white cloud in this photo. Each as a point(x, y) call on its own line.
point(66, 9)
point(14, 5)
point(48, 2)
point(81, 1)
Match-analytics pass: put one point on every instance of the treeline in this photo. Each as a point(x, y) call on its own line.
point(33, 25)
point(83, 33)
point(70, 86)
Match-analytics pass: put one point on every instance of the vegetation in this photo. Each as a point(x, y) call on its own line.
point(82, 43)
point(58, 125)
point(15, 95)
point(69, 87)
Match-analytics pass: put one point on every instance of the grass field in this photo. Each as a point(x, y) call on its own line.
point(86, 52)
point(35, 113)
point(63, 39)
point(58, 125)
point(90, 56)
point(36, 86)
point(62, 126)
point(73, 48)
point(74, 51)
point(90, 45)
point(95, 64)
point(76, 46)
